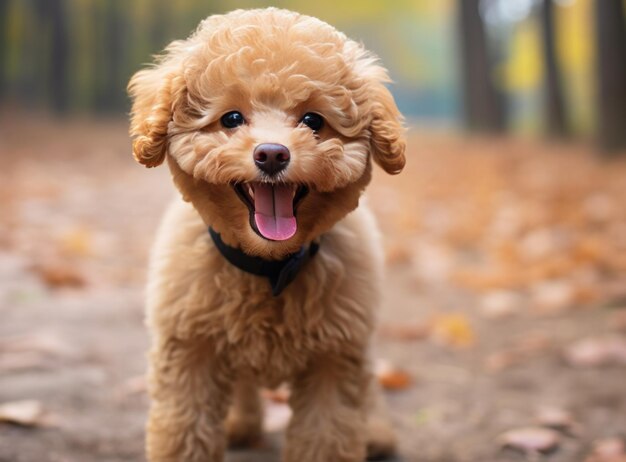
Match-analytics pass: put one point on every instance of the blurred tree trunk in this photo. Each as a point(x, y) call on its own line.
point(98, 62)
point(556, 123)
point(159, 25)
point(60, 54)
point(54, 16)
point(483, 110)
point(115, 55)
point(611, 66)
point(4, 10)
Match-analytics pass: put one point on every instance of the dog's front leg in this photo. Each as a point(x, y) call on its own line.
point(328, 422)
point(245, 416)
point(189, 398)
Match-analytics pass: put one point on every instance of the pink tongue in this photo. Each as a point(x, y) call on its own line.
point(273, 211)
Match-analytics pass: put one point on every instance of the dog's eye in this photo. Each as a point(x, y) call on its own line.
point(232, 119)
point(312, 120)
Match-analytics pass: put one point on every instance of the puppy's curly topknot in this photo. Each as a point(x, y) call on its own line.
point(271, 56)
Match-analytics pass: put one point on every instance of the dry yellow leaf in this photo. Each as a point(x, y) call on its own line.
point(454, 330)
point(76, 242)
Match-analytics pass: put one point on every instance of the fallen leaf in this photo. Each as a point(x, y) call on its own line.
point(533, 343)
point(589, 250)
point(506, 251)
point(454, 330)
point(553, 297)
point(531, 440)
point(608, 450)
point(432, 262)
point(499, 304)
point(597, 351)
point(586, 294)
point(56, 275)
point(391, 377)
point(76, 242)
point(27, 413)
point(537, 244)
point(395, 380)
point(398, 254)
point(557, 267)
point(599, 207)
point(557, 419)
point(500, 360)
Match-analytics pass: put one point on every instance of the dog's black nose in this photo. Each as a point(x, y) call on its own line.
point(271, 157)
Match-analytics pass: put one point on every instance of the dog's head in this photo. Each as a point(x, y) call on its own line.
point(268, 120)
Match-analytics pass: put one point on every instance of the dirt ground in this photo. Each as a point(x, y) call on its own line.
point(505, 305)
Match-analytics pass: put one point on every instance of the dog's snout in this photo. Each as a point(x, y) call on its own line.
point(271, 158)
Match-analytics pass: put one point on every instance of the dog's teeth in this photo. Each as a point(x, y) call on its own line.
point(251, 191)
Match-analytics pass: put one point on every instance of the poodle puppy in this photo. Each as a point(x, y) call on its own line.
point(268, 270)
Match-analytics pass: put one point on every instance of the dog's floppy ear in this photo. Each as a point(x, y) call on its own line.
point(154, 92)
point(387, 132)
point(386, 123)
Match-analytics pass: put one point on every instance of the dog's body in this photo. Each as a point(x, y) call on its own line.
point(218, 332)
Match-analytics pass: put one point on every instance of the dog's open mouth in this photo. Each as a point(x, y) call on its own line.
point(272, 207)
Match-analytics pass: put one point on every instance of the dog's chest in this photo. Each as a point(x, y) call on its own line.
point(271, 340)
point(320, 312)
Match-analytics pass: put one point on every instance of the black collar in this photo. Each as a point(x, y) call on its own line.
point(279, 272)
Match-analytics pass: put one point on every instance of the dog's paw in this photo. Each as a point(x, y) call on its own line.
point(381, 440)
point(243, 432)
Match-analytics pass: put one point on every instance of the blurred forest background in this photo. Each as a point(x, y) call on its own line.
point(524, 66)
